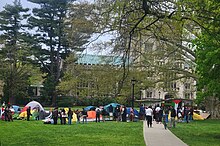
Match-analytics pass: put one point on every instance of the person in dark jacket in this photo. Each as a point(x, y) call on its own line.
point(124, 114)
point(55, 115)
point(85, 115)
point(70, 116)
point(98, 113)
point(78, 115)
point(173, 116)
point(6, 111)
point(142, 112)
point(160, 115)
point(28, 113)
point(191, 110)
point(104, 114)
point(186, 114)
point(111, 112)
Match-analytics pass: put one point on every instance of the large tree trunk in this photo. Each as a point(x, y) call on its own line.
point(54, 99)
point(213, 107)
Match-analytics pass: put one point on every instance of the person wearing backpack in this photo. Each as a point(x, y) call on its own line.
point(173, 116)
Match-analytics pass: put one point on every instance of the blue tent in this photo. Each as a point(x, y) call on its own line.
point(89, 108)
point(114, 105)
point(16, 108)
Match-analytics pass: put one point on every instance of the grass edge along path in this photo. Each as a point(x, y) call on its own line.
point(36, 133)
point(199, 133)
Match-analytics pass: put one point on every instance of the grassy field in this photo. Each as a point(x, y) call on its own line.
point(35, 133)
point(199, 133)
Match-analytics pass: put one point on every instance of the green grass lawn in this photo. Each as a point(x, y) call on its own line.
point(35, 133)
point(199, 133)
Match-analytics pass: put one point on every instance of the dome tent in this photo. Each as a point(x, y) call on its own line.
point(34, 106)
point(114, 105)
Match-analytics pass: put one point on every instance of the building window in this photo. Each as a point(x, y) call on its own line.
point(170, 85)
point(149, 94)
point(173, 85)
point(187, 86)
point(187, 95)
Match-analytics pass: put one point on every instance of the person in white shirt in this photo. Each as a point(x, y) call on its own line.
point(149, 113)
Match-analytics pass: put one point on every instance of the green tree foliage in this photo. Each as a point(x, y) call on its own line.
point(88, 80)
point(48, 19)
point(16, 69)
point(79, 24)
point(208, 56)
point(62, 28)
point(151, 35)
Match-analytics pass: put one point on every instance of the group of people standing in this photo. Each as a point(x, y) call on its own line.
point(121, 114)
point(6, 112)
point(185, 114)
point(161, 115)
point(62, 115)
point(118, 113)
point(67, 116)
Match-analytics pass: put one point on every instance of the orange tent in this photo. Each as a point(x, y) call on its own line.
point(92, 115)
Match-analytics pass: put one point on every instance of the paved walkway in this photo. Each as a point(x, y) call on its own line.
point(158, 136)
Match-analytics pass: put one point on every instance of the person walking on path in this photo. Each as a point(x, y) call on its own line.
point(173, 116)
point(149, 114)
point(157, 113)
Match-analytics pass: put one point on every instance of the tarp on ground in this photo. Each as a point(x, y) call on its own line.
point(197, 116)
point(205, 115)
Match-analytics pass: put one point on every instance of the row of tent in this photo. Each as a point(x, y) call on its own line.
point(114, 105)
point(38, 110)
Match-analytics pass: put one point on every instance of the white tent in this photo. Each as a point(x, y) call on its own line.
point(35, 105)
